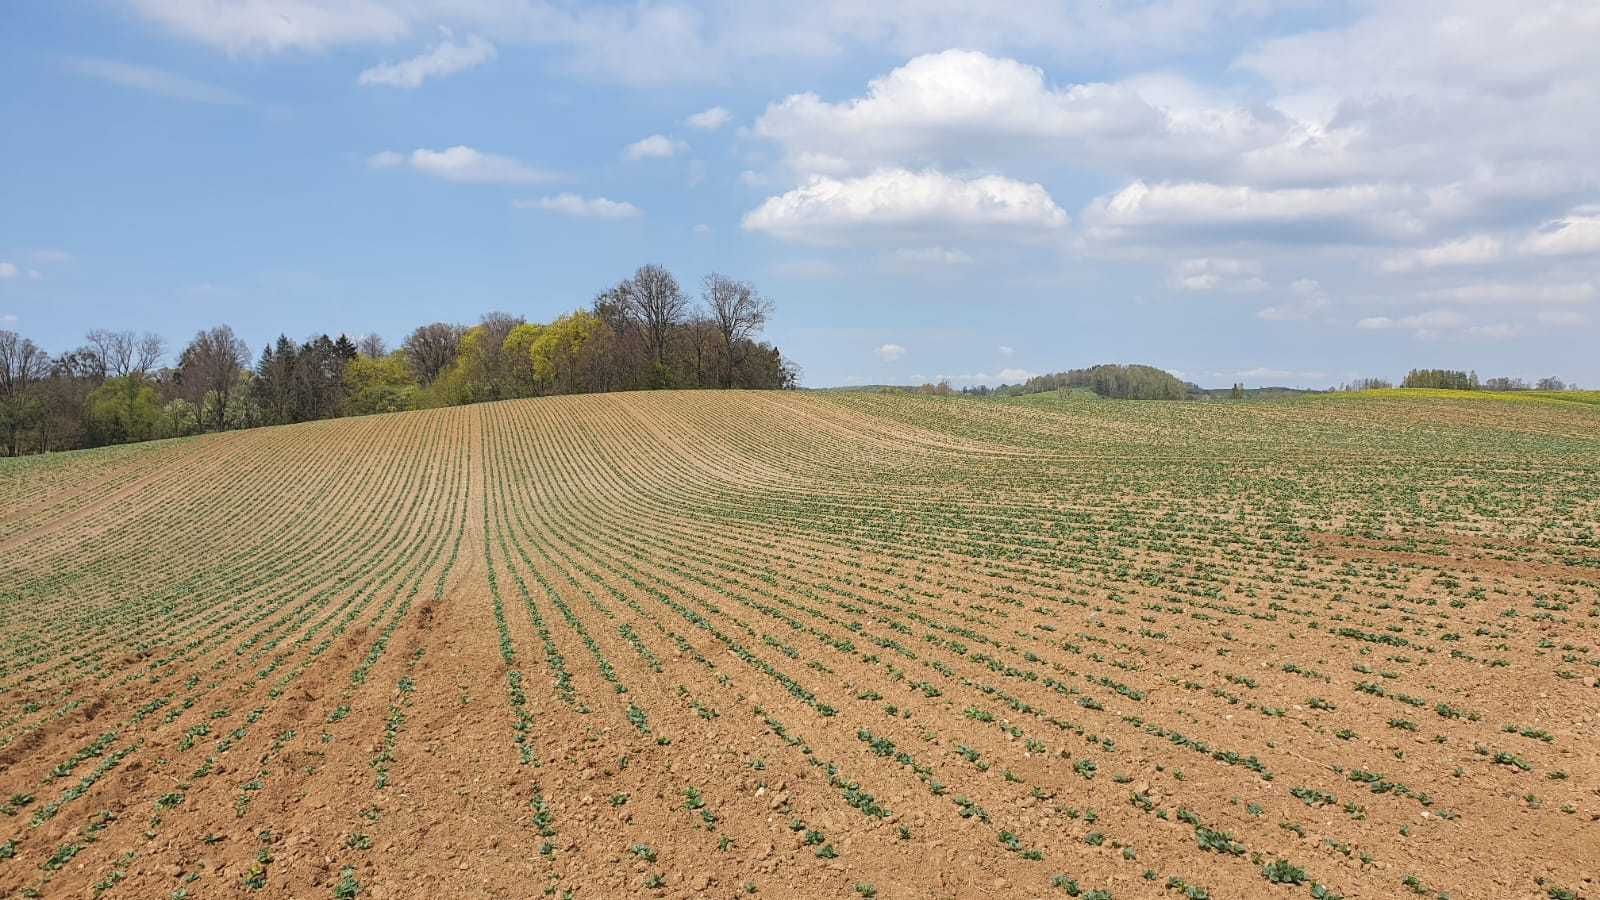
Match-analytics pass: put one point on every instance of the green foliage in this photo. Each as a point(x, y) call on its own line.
point(380, 385)
point(1448, 379)
point(1117, 382)
point(123, 410)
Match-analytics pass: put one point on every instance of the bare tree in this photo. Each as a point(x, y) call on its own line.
point(22, 362)
point(491, 369)
point(105, 349)
point(431, 349)
point(372, 346)
point(701, 334)
point(740, 313)
point(211, 364)
point(499, 324)
point(147, 353)
point(22, 365)
point(118, 354)
point(655, 299)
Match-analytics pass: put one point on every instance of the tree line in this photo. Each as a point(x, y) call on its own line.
point(1114, 382)
point(644, 333)
point(1457, 380)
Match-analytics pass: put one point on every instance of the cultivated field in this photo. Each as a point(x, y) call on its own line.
point(782, 645)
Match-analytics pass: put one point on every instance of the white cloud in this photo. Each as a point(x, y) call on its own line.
point(1004, 376)
point(50, 257)
point(1498, 331)
point(8, 319)
point(1306, 300)
point(1423, 90)
point(963, 106)
point(923, 257)
point(1266, 373)
point(1344, 212)
point(582, 207)
point(890, 352)
point(709, 120)
point(155, 81)
point(1421, 325)
point(270, 26)
point(898, 201)
point(1217, 273)
point(668, 41)
point(8, 270)
point(1468, 251)
point(463, 165)
point(701, 230)
point(444, 58)
point(656, 146)
point(1533, 292)
point(1006, 351)
point(1577, 232)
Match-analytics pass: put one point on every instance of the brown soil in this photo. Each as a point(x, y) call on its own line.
point(800, 647)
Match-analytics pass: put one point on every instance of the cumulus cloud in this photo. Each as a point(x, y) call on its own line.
point(1575, 233)
point(1467, 251)
point(899, 201)
point(656, 146)
point(1372, 143)
point(1006, 351)
point(444, 58)
point(1361, 211)
point(890, 352)
point(8, 270)
point(710, 119)
point(579, 207)
point(963, 106)
point(1217, 273)
point(463, 165)
point(154, 81)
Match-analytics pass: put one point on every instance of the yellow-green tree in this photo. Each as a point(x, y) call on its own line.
point(382, 384)
point(517, 352)
point(558, 355)
point(122, 410)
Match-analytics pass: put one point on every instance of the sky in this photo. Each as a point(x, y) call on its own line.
point(1265, 191)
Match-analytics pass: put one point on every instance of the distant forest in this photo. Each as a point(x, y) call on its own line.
point(1114, 382)
point(1137, 382)
point(644, 333)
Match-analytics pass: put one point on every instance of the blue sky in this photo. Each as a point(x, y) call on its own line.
point(1272, 192)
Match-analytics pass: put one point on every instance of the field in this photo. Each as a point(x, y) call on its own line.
point(804, 645)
